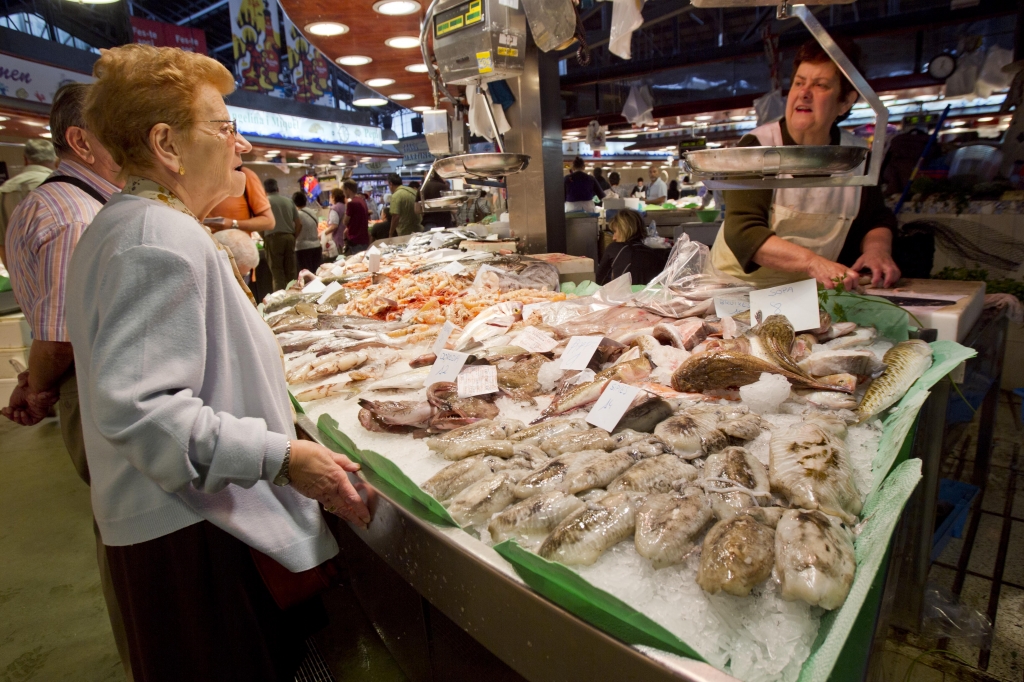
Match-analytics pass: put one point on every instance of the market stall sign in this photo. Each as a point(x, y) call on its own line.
point(32, 81)
point(727, 306)
point(285, 127)
point(447, 366)
point(415, 151)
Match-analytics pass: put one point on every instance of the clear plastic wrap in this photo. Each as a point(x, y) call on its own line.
point(493, 321)
point(542, 276)
point(615, 293)
point(944, 616)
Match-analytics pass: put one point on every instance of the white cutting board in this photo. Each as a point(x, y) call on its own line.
point(952, 321)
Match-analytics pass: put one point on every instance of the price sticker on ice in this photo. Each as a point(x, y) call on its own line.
point(447, 366)
point(727, 306)
point(798, 302)
point(579, 351)
point(454, 268)
point(612, 404)
point(535, 341)
point(478, 380)
point(442, 337)
point(373, 259)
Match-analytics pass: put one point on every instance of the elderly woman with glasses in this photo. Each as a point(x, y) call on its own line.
point(187, 423)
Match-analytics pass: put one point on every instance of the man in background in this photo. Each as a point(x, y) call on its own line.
point(279, 243)
point(657, 193)
point(40, 160)
point(432, 189)
point(357, 220)
point(404, 219)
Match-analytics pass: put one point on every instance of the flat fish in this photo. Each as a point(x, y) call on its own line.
point(574, 441)
point(596, 471)
point(737, 555)
point(827, 362)
point(808, 463)
point(667, 525)
point(476, 503)
point(726, 369)
point(485, 429)
point(904, 364)
point(814, 558)
point(654, 475)
point(692, 433)
point(550, 476)
point(861, 337)
point(583, 537)
point(536, 433)
point(454, 478)
point(535, 517)
point(734, 479)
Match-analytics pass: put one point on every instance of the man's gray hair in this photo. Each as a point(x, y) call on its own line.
point(241, 246)
point(68, 111)
point(40, 152)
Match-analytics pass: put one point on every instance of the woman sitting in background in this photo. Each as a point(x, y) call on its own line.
point(627, 252)
point(673, 190)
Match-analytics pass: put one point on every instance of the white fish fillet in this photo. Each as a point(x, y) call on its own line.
point(861, 337)
point(814, 558)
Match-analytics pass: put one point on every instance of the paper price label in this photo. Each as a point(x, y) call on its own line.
point(314, 287)
point(447, 366)
point(797, 301)
point(612, 404)
point(373, 259)
point(331, 289)
point(442, 337)
point(535, 341)
point(727, 306)
point(579, 351)
point(529, 308)
point(478, 380)
point(454, 268)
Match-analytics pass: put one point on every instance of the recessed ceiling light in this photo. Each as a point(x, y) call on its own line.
point(396, 8)
point(46, 135)
point(887, 98)
point(737, 118)
point(416, 68)
point(403, 42)
point(402, 96)
point(704, 117)
point(687, 123)
point(986, 119)
point(370, 102)
point(627, 136)
point(354, 60)
point(3, 118)
point(327, 28)
point(422, 109)
point(380, 82)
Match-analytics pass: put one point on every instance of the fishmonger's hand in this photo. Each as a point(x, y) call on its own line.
point(320, 474)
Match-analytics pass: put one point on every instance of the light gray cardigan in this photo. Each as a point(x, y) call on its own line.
point(184, 406)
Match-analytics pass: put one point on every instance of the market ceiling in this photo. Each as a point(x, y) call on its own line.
point(367, 29)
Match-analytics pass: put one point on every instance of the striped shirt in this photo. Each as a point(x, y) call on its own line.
point(42, 234)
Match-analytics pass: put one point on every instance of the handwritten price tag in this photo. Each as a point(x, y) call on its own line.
point(797, 301)
point(331, 289)
point(447, 366)
point(534, 341)
point(727, 306)
point(612, 404)
point(579, 351)
point(442, 337)
point(373, 259)
point(454, 268)
point(478, 380)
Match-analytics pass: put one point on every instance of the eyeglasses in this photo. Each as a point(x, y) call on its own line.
point(232, 125)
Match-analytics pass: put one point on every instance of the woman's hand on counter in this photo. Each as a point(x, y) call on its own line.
point(876, 255)
point(322, 475)
point(826, 272)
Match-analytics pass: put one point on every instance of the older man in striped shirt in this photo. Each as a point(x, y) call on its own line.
point(41, 236)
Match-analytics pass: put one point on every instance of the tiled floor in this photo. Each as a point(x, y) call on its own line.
point(985, 567)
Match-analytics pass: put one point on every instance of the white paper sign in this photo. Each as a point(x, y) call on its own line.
point(478, 380)
point(442, 337)
point(314, 287)
point(447, 366)
point(454, 268)
point(331, 289)
point(579, 351)
point(529, 308)
point(727, 306)
point(612, 404)
point(373, 259)
point(535, 341)
point(797, 301)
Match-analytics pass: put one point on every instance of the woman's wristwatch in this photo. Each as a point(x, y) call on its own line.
point(234, 224)
point(282, 477)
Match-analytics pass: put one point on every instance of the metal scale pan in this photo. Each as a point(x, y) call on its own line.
point(493, 165)
point(770, 161)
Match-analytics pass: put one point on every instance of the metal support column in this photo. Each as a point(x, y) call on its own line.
point(536, 197)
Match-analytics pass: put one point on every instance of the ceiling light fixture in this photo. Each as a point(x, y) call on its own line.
point(416, 68)
point(986, 119)
point(326, 28)
point(3, 118)
point(704, 117)
point(422, 109)
point(627, 136)
point(737, 118)
point(403, 42)
point(364, 97)
point(46, 135)
point(380, 82)
point(396, 8)
point(96, 2)
point(354, 60)
point(402, 96)
point(887, 98)
point(687, 123)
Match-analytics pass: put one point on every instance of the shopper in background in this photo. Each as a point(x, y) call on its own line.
point(40, 160)
point(371, 205)
point(380, 229)
point(279, 243)
point(673, 190)
point(308, 254)
point(42, 234)
point(639, 191)
point(404, 218)
point(580, 189)
point(184, 404)
point(249, 212)
point(601, 181)
point(357, 220)
point(614, 188)
point(334, 235)
point(243, 249)
point(627, 252)
point(432, 189)
point(657, 192)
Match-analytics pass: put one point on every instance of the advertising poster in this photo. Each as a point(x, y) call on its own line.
point(158, 34)
point(305, 69)
point(256, 35)
point(34, 81)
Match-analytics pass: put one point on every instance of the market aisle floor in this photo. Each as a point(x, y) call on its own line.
point(53, 620)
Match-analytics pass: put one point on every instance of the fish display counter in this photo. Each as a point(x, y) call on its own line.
point(616, 480)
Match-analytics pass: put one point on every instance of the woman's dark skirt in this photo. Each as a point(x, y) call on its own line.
point(195, 608)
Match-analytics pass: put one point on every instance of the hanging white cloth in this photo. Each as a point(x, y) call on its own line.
point(626, 18)
point(479, 124)
point(639, 105)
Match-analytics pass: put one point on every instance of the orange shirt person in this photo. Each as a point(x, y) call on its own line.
point(250, 212)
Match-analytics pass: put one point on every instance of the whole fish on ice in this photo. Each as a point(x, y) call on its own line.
point(827, 362)
point(725, 369)
point(904, 364)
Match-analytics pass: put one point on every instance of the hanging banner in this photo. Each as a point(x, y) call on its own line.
point(159, 34)
point(415, 151)
point(32, 81)
point(267, 124)
point(305, 71)
point(256, 35)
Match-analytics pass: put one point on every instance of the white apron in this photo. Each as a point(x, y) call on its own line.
point(817, 218)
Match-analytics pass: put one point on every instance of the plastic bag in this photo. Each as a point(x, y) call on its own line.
point(770, 107)
point(543, 276)
point(992, 77)
point(944, 616)
point(639, 104)
point(596, 135)
point(493, 321)
point(626, 18)
point(615, 293)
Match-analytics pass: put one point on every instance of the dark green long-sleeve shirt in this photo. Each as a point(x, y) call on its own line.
point(747, 210)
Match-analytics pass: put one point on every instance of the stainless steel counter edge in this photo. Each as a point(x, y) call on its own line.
point(485, 597)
